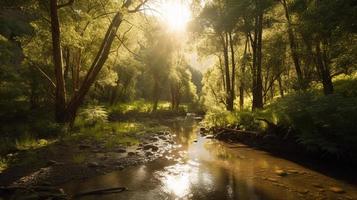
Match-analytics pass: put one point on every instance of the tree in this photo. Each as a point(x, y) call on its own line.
point(67, 110)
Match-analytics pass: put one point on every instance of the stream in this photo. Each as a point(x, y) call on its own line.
point(207, 169)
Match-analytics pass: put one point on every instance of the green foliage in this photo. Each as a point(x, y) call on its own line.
point(321, 123)
point(91, 115)
point(79, 158)
point(245, 120)
point(27, 142)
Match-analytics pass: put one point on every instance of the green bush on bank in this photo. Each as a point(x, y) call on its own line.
point(320, 123)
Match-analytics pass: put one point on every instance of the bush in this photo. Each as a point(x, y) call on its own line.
point(245, 120)
point(92, 115)
point(321, 123)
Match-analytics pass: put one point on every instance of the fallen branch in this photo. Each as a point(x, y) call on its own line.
point(101, 191)
point(241, 131)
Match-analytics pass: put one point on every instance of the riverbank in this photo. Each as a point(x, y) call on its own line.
point(287, 148)
point(79, 158)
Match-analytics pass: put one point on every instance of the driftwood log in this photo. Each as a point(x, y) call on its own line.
point(101, 192)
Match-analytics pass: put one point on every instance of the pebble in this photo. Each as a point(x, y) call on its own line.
point(209, 137)
point(317, 185)
point(131, 154)
point(93, 164)
point(152, 147)
point(84, 146)
point(120, 150)
point(337, 190)
point(281, 172)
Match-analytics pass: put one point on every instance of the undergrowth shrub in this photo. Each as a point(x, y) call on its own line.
point(321, 123)
point(92, 115)
point(245, 120)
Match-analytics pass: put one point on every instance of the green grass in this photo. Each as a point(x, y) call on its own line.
point(79, 158)
point(3, 164)
point(28, 142)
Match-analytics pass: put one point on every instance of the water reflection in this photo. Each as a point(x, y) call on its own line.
point(205, 169)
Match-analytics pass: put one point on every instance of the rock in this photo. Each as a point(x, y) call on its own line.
point(154, 139)
point(304, 191)
point(162, 137)
point(316, 185)
point(337, 190)
point(131, 153)
point(148, 153)
point(209, 137)
point(96, 151)
point(120, 167)
point(280, 172)
point(52, 162)
point(152, 147)
point(161, 133)
point(293, 171)
point(203, 129)
point(84, 146)
point(120, 150)
point(93, 164)
point(272, 179)
point(195, 141)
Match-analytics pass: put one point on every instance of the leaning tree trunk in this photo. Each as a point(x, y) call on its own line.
point(293, 48)
point(324, 70)
point(97, 65)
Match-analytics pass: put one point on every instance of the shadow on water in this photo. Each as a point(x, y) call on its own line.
point(206, 169)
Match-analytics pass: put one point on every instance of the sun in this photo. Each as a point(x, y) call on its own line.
point(175, 14)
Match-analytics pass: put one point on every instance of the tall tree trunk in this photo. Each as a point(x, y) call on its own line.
point(226, 64)
point(156, 93)
point(257, 57)
point(281, 90)
point(293, 48)
point(60, 94)
point(230, 103)
point(324, 70)
point(241, 87)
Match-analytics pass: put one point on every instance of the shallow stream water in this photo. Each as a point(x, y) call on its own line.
point(207, 169)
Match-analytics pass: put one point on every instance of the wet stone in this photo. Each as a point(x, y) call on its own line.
point(316, 185)
point(162, 137)
point(152, 147)
point(209, 137)
point(280, 172)
point(337, 190)
point(84, 146)
point(131, 153)
point(93, 164)
point(149, 153)
point(120, 150)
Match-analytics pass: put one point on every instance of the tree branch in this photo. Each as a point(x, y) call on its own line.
point(70, 2)
point(138, 8)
